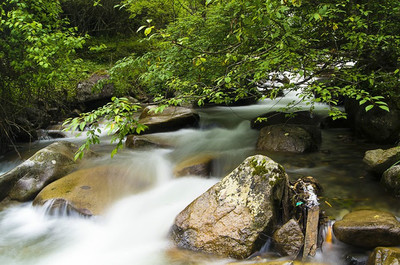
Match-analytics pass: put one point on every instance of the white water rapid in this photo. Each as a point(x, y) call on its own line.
point(134, 230)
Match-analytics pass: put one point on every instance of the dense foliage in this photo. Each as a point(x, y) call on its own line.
point(201, 51)
point(35, 60)
point(225, 50)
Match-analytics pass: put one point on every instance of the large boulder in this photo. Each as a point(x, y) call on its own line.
point(379, 160)
point(92, 98)
point(391, 179)
point(289, 138)
point(90, 191)
point(384, 256)
point(170, 119)
point(25, 181)
point(289, 239)
point(368, 229)
point(376, 125)
point(233, 216)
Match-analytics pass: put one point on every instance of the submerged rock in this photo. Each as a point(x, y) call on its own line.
point(384, 256)
point(289, 138)
point(391, 179)
point(48, 164)
point(170, 119)
point(136, 141)
point(230, 218)
point(90, 191)
point(379, 160)
point(368, 229)
point(200, 165)
point(289, 239)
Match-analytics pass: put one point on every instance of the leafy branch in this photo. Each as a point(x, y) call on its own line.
point(117, 118)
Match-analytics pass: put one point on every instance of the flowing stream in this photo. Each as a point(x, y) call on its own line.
point(134, 230)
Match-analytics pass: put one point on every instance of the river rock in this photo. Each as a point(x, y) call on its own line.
point(199, 165)
point(379, 160)
point(275, 262)
point(376, 125)
point(289, 138)
point(48, 164)
point(368, 229)
point(384, 256)
point(230, 217)
point(136, 141)
point(92, 98)
point(289, 239)
point(391, 179)
point(170, 119)
point(90, 191)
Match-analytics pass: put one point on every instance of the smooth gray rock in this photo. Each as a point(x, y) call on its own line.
point(48, 164)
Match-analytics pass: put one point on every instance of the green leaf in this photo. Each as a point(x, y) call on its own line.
point(147, 31)
point(140, 28)
point(362, 102)
point(386, 108)
point(369, 107)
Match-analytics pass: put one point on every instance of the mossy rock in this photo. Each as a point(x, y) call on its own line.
point(384, 256)
point(229, 218)
point(25, 181)
point(91, 191)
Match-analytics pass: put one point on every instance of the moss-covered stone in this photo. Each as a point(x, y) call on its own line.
point(48, 164)
point(384, 256)
point(228, 218)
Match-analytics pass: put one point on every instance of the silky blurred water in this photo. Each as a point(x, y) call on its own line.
point(134, 230)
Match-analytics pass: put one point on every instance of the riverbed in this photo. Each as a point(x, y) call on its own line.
point(134, 230)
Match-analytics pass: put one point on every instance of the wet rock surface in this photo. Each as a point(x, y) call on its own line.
point(368, 229)
point(199, 165)
point(384, 256)
point(289, 138)
point(90, 191)
point(391, 179)
point(379, 160)
point(170, 119)
point(48, 164)
point(136, 141)
point(229, 218)
point(289, 239)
